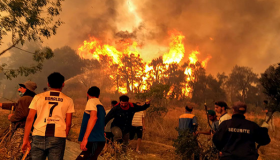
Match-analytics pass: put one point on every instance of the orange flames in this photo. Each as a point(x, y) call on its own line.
point(95, 49)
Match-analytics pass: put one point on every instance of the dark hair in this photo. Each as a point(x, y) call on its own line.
point(124, 98)
point(189, 108)
point(222, 104)
point(114, 103)
point(94, 91)
point(55, 80)
point(265, 102)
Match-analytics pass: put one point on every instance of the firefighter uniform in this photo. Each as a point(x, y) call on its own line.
point(236, 138)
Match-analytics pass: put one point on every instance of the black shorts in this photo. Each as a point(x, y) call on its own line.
point(93, 150)
point(110, 136)
point(137, 130)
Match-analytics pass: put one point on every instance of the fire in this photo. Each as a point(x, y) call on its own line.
point(128, 49)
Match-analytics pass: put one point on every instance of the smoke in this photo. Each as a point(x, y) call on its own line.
point(232, 32)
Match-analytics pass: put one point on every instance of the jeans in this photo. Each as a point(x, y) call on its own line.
point(51, 147)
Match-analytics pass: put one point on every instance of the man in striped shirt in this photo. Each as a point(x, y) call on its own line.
point(137, 127)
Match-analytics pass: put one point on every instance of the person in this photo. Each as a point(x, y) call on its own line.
point(221, 108)
point(92, 129)
point(236, 137)
point(269, 118)
point(137, 127)
point(123, 113)
point(108, 132)
point(215, 123)
point(52, 125)
point(188, 121)
point(27, 92)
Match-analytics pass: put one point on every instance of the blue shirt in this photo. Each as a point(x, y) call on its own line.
point(188, 121)
point(97, 133)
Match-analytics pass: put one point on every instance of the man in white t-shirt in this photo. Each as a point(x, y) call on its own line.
point(137, 128)
point(52, 125)
point(221, 109)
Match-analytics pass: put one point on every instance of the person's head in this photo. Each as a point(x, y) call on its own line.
point(265, 102)
point(113, 103)
point(211, 115)
point(221, 107)
point(189, 108)
point(28, 85)
point(239, 108)
point(56, 80)
point(124, 100)
point(93, 92)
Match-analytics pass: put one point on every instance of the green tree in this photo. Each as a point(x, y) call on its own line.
point(28, 20)
point(240, 80)
point(270, 80)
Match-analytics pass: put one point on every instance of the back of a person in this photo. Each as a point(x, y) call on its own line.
point(51, 113)
point(137, 119)
point(186, 121)
point(241, 140)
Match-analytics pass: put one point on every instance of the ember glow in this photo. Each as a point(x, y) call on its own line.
point(95, 49)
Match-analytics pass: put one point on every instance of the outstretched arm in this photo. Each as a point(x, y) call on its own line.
point(141, 108)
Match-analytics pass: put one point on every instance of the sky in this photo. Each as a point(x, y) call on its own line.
point(244, 32)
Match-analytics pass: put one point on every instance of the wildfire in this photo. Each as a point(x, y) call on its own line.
point(129, 49)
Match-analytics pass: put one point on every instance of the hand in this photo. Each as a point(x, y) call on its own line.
point(83, 145)
point(25, 146)
point(148, 101)
point(9, 116)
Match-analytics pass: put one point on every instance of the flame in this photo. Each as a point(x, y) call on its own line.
point(96, 50)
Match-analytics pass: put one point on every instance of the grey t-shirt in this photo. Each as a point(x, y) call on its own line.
point(108, 126)
point(215, 125)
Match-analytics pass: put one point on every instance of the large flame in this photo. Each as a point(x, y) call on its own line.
point(95, 49)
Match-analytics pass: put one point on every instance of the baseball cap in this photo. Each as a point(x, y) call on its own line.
point(211, 112)
point(239, 107)
point(222, 104)
point(29, 85)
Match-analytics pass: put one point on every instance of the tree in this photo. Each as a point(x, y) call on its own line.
point(270, 81)
point(240, 80)
point(28, 20)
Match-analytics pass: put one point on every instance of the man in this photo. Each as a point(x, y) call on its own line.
point(109, 134)
point(269, 119)
point(123, 113)
point(221, 108)
point(215, 123)
point(188, 121)
point(92, 129)
point(52, 125)
point(18, 118)
point(236, 137)
point(137, 127)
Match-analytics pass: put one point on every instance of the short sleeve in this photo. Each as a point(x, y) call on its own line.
point(90, 106)
point(33, 104)
point(71, 107)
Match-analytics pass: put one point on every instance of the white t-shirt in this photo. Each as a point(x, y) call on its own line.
point(137, 119)
point(224, 117)
point(51, 107)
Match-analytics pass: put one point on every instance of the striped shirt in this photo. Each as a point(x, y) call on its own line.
point(137, 119)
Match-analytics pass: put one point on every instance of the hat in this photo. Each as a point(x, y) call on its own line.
point(239, 107)
point(222, 104)
point(29, 85)
point(211, 112)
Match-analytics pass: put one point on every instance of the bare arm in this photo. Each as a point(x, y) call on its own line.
point(27, 129)
point(68, 122)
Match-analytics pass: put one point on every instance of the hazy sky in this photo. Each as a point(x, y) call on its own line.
point(243, 32)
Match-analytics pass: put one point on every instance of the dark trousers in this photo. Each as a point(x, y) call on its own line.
point(93, 150)
point(51, 147)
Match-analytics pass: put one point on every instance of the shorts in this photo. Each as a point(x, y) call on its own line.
point(136, 130)
point(93, 150)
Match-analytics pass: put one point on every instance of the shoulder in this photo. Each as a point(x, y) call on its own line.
point(187, 115)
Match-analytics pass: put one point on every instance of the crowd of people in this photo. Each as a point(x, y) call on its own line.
point(48, 116)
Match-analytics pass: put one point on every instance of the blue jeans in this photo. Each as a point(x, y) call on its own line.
point(51, 147)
